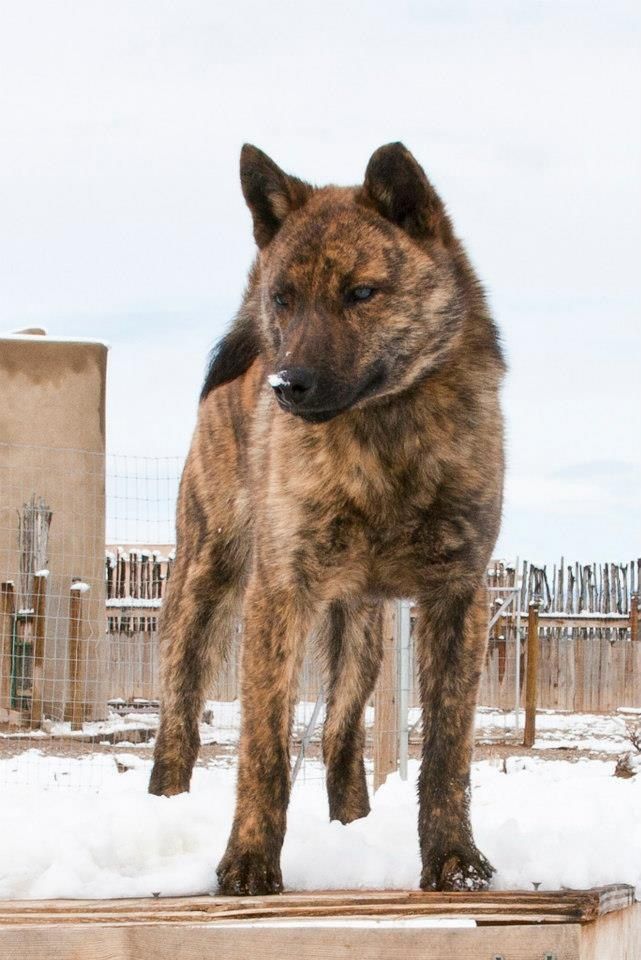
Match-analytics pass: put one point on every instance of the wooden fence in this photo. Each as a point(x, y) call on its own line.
point(590, 659)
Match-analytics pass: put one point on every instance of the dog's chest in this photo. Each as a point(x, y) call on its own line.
point(377, 502)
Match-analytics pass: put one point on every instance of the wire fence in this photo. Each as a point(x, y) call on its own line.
point(86, 552)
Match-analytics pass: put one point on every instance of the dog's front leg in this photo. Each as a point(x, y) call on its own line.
point(276, 624)
point(451, 643)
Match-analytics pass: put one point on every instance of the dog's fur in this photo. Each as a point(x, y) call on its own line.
point(382, 480)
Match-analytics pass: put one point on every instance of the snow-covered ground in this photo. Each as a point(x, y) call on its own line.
point(593, 732)
point(553, 823)
point(598, 733)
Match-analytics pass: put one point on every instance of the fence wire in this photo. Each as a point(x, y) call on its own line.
point(86, 552)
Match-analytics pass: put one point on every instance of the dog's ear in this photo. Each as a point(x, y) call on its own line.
point(234, 354)
point(396, 186)
point(269, 193)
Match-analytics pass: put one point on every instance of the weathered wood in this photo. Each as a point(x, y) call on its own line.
point(607, 621)
point(613, 937)
point(634, 617)
point(531, 679)
point(567, 680)
point(385, 702)
point(75, 709)
point(33, 536)
point(7, 613)
point(247, 941)
point(580, 691)
point(580, 925)
point(39, 633)
point(505, 906)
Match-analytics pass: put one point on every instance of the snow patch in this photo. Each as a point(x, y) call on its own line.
point(530, 818)
point(277, 379)
point(80, 586)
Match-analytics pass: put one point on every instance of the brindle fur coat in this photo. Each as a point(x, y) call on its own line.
point(348, 450)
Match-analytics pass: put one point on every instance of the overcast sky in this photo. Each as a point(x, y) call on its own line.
point(121, 216)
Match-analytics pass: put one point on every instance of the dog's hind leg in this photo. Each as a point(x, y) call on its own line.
point(350, 642)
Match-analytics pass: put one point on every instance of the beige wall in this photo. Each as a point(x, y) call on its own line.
point(52, 444)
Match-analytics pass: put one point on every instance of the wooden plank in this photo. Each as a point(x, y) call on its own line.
point(532, 667)
point(385, 703)
point(39, 632)
point(615, 937)
point(571, 925)
point(496, 906)
point(7, 612)
point(618, 621)
point(246, 941)
point(74, 711)
point(634, 617)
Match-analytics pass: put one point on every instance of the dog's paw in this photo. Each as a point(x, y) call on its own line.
point(249, 874)
point(458, 869)
point(166, 781)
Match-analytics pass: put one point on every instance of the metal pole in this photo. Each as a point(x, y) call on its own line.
point(404, 628)
point(307, 736)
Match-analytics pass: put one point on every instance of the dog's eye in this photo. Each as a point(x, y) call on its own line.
point(280, 299)
point(361, 293)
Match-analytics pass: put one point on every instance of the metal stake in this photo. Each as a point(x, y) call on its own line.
point(307, 736)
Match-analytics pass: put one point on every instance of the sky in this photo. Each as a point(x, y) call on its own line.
point(121, 216)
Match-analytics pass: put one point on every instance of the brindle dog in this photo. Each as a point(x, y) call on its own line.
point(348, 450)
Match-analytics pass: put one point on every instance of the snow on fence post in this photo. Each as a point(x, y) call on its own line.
point(634, 617)
point(75, 708)
point(39, 632)
point(385, 706)
point(7, 613)
point(532, 669)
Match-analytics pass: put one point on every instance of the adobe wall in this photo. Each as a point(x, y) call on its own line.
point(52, 444)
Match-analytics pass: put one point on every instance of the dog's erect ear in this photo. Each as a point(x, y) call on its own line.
point(270, 193)
point(397, 187)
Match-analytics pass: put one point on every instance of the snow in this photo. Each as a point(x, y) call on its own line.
point(605, 734)
point(80, 586)
point(553, 823)
point(45, 338)
point(277, 380)
point(41, 573)
point(127, 602)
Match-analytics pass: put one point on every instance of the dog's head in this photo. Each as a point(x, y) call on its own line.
point(355, 289)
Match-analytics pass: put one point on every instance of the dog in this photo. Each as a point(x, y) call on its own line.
point(348, 451)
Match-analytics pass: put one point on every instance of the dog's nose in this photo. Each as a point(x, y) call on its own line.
point(293, 386)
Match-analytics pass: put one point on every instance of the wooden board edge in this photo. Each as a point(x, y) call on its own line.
point(492, 907)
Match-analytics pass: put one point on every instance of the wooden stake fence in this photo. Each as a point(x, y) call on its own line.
point(7, 612)
point(75, 708)
point(531, 677)
point(39, 633)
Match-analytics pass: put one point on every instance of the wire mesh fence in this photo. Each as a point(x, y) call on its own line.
point(86, 553)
